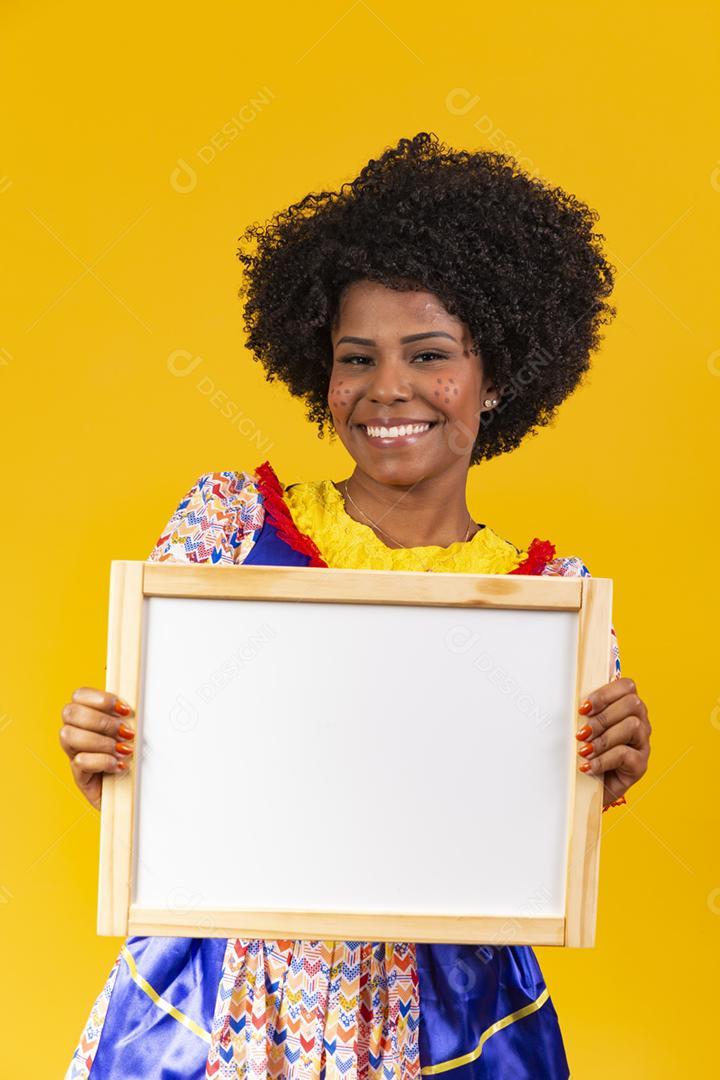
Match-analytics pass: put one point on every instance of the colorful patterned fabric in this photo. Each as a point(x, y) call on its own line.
point(217, 521)
point(90, 1037)
point(204, 1008)
point(311, 1008)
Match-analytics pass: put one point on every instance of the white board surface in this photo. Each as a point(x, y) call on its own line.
point(309, 756)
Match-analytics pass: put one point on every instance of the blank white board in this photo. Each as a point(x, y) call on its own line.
point(399, 764)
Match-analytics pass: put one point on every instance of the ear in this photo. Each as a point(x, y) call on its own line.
point(490, 392)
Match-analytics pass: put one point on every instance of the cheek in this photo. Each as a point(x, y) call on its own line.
point(338, 396)
point(446, 391)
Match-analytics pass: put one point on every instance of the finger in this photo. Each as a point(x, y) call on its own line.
point(76, 739)
point(85, 764)
point(83, 716)
point(606, 694)
point(630, 730)
point(103, 700)
point(604, 716)
point(627, 760)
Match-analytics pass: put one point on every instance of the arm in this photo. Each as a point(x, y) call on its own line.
point(217, 520)
point(615, 736)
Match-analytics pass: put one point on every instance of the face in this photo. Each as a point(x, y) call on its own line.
point(399, 357)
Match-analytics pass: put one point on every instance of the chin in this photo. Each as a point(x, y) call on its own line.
point(401, 473)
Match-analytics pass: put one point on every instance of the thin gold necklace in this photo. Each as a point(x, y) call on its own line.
point(347, 494)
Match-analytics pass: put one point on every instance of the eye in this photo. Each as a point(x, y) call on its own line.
point(432, 355)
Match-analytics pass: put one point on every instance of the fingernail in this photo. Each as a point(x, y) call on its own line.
point(121, 748)
point(585, 750)
point(122, 708)
point(586, 766)
point(583, 732)
point(585, 708)
point(121, 765)
point(125, 732)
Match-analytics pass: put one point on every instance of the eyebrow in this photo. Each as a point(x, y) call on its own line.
point(403, 341)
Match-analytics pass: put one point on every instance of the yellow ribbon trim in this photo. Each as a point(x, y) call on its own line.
point(160, 1001)
point(428, 1070)
point(455, 1063)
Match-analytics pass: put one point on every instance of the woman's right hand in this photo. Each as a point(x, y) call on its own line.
point(96, 736)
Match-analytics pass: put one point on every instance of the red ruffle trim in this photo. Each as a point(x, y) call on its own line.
point(280, 517)
point(539, 554)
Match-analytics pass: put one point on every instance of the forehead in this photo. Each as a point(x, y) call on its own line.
point(370, 303)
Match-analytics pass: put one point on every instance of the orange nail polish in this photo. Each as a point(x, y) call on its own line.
point(586, 766)
point(585, 708)
point(585, 750)
point(122, 708)
point(122, 748)
point(122, 765)
point(583, 733)
point(125, 732)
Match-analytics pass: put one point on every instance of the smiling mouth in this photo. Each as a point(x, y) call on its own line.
point(396, 436)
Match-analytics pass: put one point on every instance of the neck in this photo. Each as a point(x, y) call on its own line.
point(432, 512)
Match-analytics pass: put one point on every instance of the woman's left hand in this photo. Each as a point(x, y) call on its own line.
point(617, 731)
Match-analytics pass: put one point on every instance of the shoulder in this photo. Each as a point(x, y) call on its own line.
point(216, 520)
point(566, 566)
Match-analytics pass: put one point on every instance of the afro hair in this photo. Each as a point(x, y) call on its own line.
point(514, 258)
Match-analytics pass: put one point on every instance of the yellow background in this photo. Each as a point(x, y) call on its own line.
point(118, 262)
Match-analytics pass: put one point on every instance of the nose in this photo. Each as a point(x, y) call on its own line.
point(389, 381)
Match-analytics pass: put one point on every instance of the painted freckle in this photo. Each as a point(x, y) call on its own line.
point(455, 390)
point(438, 380)
point(437, 393)
point(447, 400)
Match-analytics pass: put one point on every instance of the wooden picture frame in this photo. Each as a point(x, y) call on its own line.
point(432, 869)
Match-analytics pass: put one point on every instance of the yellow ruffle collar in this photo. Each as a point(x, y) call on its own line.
point(318, 509)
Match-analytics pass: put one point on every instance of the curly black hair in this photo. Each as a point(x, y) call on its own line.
point(514, 258)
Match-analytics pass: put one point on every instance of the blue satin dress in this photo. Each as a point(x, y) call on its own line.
point(485, 1011)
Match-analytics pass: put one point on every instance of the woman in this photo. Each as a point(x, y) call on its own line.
point(433, 312)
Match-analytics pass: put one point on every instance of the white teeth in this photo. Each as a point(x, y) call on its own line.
point(395, 432)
